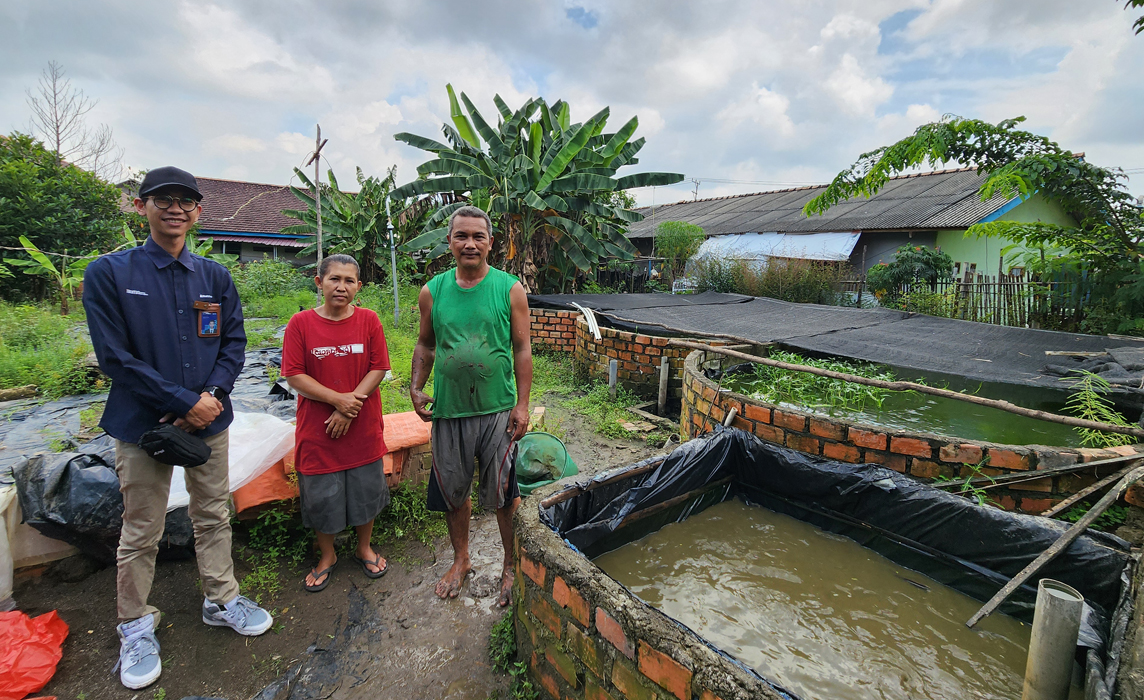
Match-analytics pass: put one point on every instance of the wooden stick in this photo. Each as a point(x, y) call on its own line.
point(1057, 547)
point(652, 510)
point(1035, 474)
point(1111, 478)
point(574, 491)
point(920, 388)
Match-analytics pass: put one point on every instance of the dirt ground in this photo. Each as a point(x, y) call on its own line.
point(389, 638)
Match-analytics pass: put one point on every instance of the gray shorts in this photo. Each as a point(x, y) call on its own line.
point(459, 444)
point(332, 502)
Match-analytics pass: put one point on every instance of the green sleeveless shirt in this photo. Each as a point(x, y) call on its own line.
point(472, 370)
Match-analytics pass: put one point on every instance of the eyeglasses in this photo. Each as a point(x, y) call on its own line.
point(164, 201)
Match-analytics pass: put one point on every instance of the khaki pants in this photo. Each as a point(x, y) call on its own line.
point(145, 485)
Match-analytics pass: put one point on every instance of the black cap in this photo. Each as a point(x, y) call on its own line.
point(166, 176)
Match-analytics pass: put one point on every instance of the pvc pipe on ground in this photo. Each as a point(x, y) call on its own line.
point(664, 374)
point(613, 376)
point(1056, 623)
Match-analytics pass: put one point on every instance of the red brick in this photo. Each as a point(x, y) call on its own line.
point(708, 393)
point(895, 462)
point(1124, 450)
point(659, 341)
point(568, 597)
point(742, 424)
point(803, 443)
point(1037, 505)
point(841, 452)
point(1043, 485)
point(915, 447)
point(769, 433)
point(1135, 495)
point(610, 630)
point(1007, 502)
point(708, 695)
point(827, 429)
point(643, 339)
point(593, 691)
point(1008, 459)
point(964, 453)
point(564, 665)
point(866, 438)
point(925, 469)
point(1091, 454)
point(533, 633)
point(532, 569)
point(757, 413)
point(546, 614)
point(630, 683)
point(790, 421)
point(665, 671)
point(585, 648)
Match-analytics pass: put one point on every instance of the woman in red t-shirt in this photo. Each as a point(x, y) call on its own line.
point(334, 357)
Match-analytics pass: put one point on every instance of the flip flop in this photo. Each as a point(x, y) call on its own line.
point(365, 564)
point(328, 572)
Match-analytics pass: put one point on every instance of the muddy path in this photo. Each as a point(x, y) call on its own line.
point(389, 638)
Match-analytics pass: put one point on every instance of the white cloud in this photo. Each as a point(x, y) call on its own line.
point(856, 92)
point(763, 107)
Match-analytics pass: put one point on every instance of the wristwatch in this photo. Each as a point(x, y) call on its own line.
point(215, 391)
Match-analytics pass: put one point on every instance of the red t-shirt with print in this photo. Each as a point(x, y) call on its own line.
point(338, 354)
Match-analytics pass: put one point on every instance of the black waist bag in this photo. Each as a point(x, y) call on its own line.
point(170, 445)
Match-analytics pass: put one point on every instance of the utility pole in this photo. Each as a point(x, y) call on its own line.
point(392, 261)
point(316, 159)
point(695, 196)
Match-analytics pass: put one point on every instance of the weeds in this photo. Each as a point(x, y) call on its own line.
point(502, 643)
point(40, 347)
point(408, 517)
point(262, 585)
point(969, 490)
point(1108, 521)
point(1088, 401)
point(278, 532)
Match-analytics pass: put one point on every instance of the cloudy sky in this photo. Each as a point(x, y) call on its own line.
point(743, 96)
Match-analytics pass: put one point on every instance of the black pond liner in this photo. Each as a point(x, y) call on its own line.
point(970, 548)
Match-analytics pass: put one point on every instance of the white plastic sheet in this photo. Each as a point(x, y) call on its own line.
point(257, 441)
point(760, 246)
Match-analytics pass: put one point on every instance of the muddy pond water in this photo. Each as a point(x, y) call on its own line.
point(816, 612)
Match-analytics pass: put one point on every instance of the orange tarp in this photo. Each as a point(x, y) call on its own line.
point(401, 431)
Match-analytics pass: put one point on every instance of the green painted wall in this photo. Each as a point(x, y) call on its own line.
point(986, 252)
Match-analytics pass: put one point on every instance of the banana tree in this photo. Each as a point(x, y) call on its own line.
point(66, 275)
point(352, 223)
point(546, 182)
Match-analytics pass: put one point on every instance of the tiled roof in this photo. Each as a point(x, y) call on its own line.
point(936, 200)
point(245, 207)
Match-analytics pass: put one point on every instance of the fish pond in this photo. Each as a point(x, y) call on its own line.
point(816, 612)
point(895, 410)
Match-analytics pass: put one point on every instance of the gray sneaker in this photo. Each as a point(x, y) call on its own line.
point(138, 664)
point(241, 615)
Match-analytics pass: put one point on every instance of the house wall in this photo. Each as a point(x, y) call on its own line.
point(250, 254)
point(986, 252)
point(880, 246)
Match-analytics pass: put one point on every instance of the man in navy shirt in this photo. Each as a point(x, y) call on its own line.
point(167, 328)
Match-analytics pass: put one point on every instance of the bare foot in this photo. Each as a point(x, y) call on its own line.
point(506, 587)
point(450, 584)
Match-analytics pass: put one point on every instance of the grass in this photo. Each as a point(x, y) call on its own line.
point(1108, 521)
point(607, 413)
point(408, 518)
point(38, 346)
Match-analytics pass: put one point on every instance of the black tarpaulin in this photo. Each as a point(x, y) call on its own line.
point(600, 302)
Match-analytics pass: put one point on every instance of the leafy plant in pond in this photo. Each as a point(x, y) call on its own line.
point(547, 183)
point(775, 385)
point(1088, 401)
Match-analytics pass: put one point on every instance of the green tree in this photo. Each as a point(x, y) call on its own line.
point(547, 183)
point(910, 264)
point(1105, 245)
point(57, 207)
point(1138, 25)
point(677, 241)
point(352, 223)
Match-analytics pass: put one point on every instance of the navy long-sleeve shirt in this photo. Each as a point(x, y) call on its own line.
point(144, 327)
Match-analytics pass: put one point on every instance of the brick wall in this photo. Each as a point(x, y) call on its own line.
point(554, 330)
point(917, 454)
point(638, 356)
point(584, 637)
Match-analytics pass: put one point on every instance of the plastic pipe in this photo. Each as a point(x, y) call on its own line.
point(1056, 623)
point(613, 376)
point(664, 374)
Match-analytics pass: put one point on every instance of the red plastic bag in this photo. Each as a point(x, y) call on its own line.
point(30, 648)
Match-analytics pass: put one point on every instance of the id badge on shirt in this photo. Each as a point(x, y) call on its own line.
point(208, 319)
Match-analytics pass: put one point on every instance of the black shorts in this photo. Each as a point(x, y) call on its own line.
point(332, 502)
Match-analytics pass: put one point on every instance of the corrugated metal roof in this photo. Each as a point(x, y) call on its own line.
point(941, 199)
point(259, 240)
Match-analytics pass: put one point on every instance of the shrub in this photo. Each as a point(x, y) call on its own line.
point(677, 241)
point(788, 279)
point(268, 278)
point(910, 264)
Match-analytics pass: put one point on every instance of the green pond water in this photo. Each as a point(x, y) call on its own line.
point(818, 613)
point(908, 410)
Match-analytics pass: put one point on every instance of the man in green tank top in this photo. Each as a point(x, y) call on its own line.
point(475, 335)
